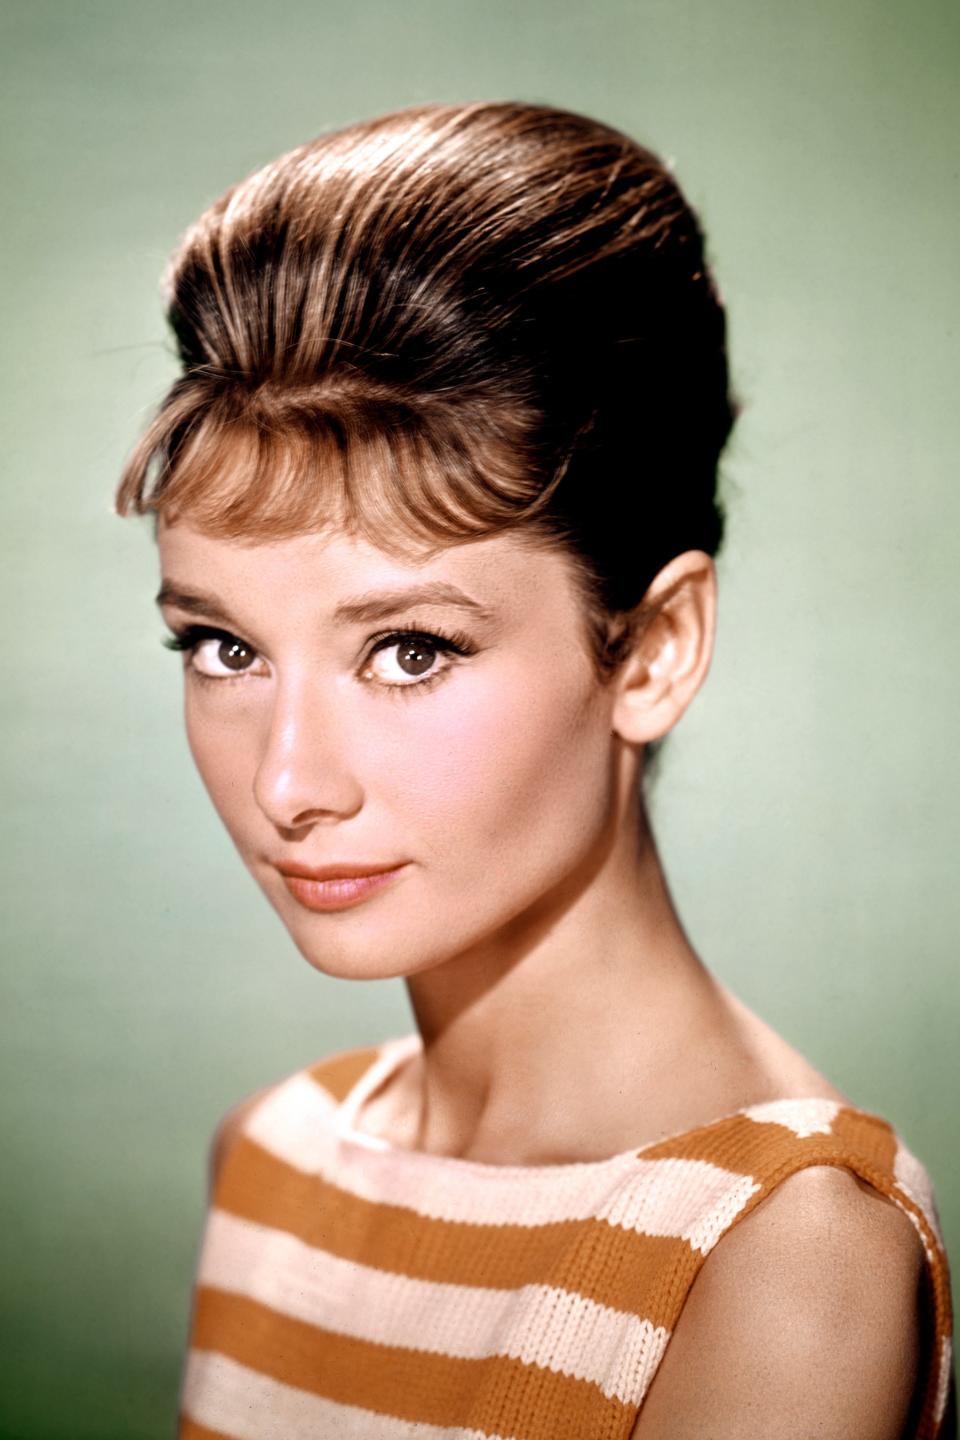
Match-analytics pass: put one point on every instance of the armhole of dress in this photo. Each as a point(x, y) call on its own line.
point(936, 1384)
point(935, 1394)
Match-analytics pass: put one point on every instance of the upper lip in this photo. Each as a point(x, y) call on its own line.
point(337, 870)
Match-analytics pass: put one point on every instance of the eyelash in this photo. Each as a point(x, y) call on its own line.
point(455, 643)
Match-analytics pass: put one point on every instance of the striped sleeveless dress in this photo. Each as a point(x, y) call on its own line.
point(349, 1289)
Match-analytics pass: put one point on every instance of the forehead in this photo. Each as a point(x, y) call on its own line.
point(320, 569)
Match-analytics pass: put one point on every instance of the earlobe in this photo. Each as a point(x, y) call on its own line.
point(672, 650)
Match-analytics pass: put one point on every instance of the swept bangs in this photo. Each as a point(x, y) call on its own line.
point(271, 465)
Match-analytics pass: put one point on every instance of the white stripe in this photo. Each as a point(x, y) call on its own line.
point(538, 1324)
point(716, 1221)
point(656, 1197)
point(298, 1112)
point(943, 1380)
point(813, 1115)
point(687, 1199)
point(229, 1397)
point(914, 1180)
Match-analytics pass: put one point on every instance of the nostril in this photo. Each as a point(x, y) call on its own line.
point(294, 800)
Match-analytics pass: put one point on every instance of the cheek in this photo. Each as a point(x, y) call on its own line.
point(223, 744)
point(505, 774)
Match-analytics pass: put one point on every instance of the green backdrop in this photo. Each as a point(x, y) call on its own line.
point(807, 806)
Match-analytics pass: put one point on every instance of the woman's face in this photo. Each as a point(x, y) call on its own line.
point(338, 719)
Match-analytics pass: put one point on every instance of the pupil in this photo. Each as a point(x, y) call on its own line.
point(417, 655)
point(234, 655)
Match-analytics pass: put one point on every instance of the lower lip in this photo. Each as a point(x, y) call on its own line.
point(337, 894)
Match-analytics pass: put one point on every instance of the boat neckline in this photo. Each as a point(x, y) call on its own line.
point(390, 1055)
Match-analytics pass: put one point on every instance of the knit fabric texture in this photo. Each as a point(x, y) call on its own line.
point(347, 1288)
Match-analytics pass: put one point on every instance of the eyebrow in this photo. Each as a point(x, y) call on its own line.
point(373, 605)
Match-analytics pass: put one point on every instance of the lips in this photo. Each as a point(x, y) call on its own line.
point(336, 886)
point(336, 870)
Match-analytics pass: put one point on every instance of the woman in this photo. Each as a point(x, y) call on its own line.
point(436, 509)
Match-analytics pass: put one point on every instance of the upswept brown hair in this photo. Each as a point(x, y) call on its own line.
point(444, 324)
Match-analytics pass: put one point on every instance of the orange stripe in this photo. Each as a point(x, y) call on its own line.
point(735, 1143)
point(494, 1394)
point(644, 1274)
point(339, 1073)
point(758, 1147)
point(189, 1430)
point(868, 1136)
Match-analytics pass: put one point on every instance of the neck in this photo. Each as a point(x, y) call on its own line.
point(600, 986)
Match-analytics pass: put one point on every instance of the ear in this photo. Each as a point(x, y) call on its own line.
point(674, 631)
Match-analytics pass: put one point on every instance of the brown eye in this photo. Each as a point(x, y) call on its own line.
point(407, 660)
point(410, 658)
point(213, 654)
point(235, 655)
point(415, 656)
point(220, 657)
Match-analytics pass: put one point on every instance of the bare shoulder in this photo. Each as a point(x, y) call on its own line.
point(228, 1129)
point(804, 1320)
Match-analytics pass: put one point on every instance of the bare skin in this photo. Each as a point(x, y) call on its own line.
point(548, 948)
point(550, 976)
point(723, 1055)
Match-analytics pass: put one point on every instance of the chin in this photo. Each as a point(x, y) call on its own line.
point(363, 954)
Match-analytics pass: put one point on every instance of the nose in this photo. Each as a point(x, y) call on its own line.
point(303, 776)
